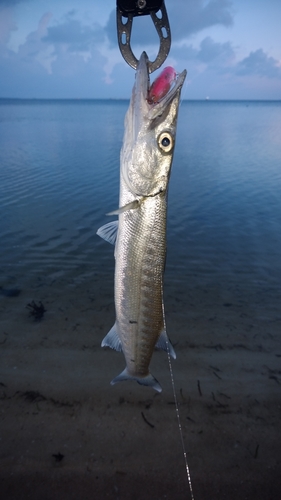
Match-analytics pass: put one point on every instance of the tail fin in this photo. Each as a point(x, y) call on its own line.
point(149, 380)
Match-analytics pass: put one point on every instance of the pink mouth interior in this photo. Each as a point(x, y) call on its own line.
point(161, 86)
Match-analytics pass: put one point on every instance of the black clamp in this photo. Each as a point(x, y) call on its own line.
point(128, 9)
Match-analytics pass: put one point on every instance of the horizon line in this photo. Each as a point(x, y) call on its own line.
point(204, 99)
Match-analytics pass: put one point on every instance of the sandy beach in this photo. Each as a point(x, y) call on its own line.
point(66, 433)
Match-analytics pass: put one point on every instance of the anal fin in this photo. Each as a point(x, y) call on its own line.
point(165, 344)
point(112, 339)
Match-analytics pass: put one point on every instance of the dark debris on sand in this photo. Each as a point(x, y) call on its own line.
point(36, 310)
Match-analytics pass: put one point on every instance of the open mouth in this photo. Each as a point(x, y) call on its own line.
point(161, 86)
point(162, 91)
point(166, 85)
point(166, 91)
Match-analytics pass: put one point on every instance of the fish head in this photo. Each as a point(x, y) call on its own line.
point(150, 134)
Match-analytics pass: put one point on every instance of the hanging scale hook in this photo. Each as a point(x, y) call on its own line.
point(128, 9)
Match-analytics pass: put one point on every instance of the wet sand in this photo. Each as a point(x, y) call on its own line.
point(66, 433)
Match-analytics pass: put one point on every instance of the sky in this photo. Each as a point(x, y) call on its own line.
point(68, 48)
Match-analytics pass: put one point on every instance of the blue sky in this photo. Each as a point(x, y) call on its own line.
point(68, 49)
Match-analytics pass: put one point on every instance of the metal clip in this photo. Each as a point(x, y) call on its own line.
point(129, 9)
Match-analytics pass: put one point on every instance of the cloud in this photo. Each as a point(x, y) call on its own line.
point(48, 43)
point(185, 52)
point(211, 50)
point(51, 64)
point(74, 56)
point(192, 16)
point(186, 17)
point(7, 25)
point(209, 53)
point(220, 59)
point(78, 37)
point(259, 63)
point(34, 50)
point(10, 3)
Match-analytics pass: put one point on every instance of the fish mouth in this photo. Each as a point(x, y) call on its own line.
point(142, 87)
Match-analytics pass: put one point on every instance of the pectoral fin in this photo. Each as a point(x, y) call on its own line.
point(109, 232)
point(130, 206)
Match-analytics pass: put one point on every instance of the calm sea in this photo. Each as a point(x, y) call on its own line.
point(59, 175)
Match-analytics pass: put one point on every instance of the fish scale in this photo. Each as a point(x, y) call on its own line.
point(139, 271)
point(140, 233)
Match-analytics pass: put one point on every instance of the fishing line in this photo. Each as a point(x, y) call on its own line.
point(177, 410)
point(175, 395)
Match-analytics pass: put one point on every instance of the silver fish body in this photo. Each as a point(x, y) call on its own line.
point(140, 233)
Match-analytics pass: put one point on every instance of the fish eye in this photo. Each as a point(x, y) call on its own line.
point(165, 142)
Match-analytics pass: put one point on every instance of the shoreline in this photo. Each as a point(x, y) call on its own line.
point(56, 399)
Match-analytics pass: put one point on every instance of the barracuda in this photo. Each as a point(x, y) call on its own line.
point(140, 233)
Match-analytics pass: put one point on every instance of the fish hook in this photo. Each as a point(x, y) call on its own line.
point(126, 10)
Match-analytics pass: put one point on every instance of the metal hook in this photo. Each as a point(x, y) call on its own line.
point(161, 24)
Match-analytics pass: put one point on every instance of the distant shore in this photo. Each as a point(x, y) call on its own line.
point(8, 100)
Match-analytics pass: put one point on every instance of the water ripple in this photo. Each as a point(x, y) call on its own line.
point(59, 176)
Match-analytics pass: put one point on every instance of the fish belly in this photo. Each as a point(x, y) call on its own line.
point(140, 260)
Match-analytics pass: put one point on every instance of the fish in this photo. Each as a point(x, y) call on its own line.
point(139, 234)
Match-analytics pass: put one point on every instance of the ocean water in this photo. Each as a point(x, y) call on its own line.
point(59, 176)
